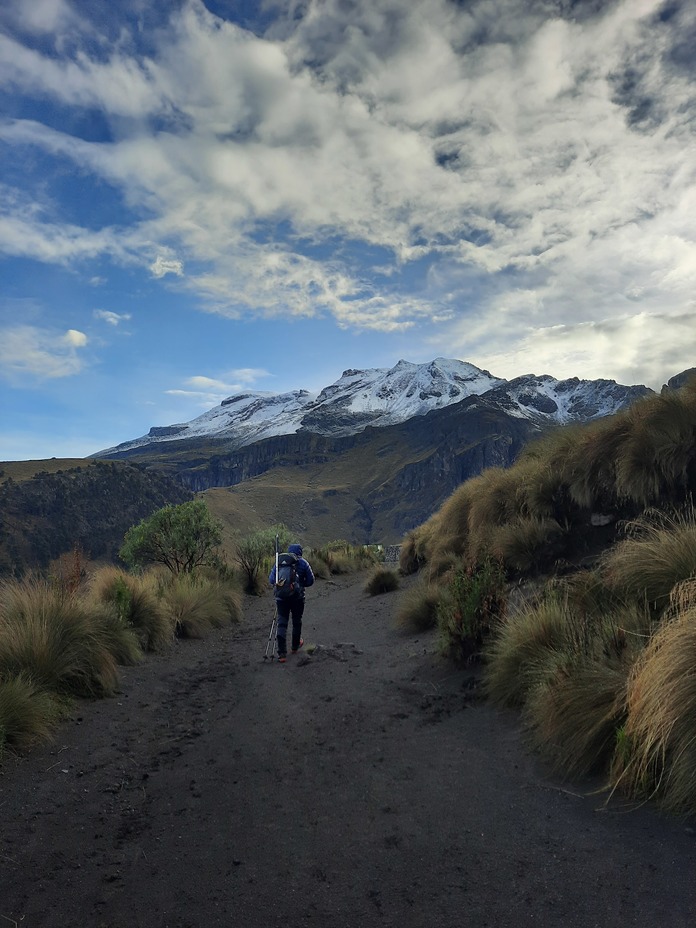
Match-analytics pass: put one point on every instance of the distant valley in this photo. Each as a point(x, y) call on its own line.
point(367, 459)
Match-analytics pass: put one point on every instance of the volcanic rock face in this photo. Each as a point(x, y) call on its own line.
point(385, 397)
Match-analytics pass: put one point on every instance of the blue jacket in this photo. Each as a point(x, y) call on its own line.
point(305, 577)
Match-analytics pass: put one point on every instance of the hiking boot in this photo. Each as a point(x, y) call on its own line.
point(282, 658)
point(295, 650)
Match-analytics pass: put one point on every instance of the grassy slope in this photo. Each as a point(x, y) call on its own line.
point(318, 501)
point(25, 470)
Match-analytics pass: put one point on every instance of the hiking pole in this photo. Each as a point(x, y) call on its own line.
point(271, 643)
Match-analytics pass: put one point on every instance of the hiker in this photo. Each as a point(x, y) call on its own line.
point(290, 597)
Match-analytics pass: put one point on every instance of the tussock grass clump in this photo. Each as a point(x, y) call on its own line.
point(195, 604)
point(470, 610)
point(340, 564)
point(320, 567)
point(417, 611)
point(57, 642)
point(660, 553)
point(591, 469)
point(341, 557)
point(526, 650)
point(525, 543)
point(658, 756)
point(27, 713)
point(382, 580)
point(136, 601)
point(410, 560)
point(574, 713)
point(656, 459)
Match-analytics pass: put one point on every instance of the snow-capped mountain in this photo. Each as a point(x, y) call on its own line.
point(381, 397)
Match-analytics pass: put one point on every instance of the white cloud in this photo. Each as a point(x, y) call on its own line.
point(500, 144)
point(110, 317)
point(73, 338)
point(209, 383)
point(162, 266)
point(40, 16)
point(29, 351)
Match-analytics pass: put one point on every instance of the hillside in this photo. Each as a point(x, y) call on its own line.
point(49, 507)
point(371, 487)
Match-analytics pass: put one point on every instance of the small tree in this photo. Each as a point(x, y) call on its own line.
point(254, 549)
point(180, 537)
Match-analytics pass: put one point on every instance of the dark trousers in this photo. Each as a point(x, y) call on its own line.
point(294, 606)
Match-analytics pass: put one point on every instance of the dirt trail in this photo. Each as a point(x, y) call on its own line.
point(360, 786)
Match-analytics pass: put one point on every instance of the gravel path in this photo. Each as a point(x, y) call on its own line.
point(358, 786)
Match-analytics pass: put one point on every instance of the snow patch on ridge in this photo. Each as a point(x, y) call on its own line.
point(387, 396)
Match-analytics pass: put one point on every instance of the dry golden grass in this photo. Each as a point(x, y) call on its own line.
point(382, 580)
point(657, 454)
point(529, 646)
point(417, 611)
point(195, 603)
point(27, 713)
point(137, 602)
point(659, 554)
point(56, 641)
point(591, 469)
point(574, 713)
point(660, 732)
point(524, 543)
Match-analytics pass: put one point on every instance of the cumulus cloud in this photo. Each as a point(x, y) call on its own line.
point(527, 169)
point(29, 351)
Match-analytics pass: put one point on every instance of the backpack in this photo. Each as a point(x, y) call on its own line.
point(286, 584)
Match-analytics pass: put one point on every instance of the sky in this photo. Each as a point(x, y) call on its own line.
point(204, 197)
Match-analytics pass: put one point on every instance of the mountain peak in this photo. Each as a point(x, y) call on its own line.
point(387, 396)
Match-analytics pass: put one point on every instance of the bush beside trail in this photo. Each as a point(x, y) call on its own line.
point(59, 642)
point(590, 626)
point(66, 635)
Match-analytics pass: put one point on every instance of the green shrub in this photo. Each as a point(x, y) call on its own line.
point(417, 610)
point(382, 580)
point(256, 552)
point(182, 538)
point(471, 609)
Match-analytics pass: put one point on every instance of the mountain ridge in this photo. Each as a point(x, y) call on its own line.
point(381, 397)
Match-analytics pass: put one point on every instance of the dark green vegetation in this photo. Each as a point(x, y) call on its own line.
point(181, 538)
point(47, 509)
point(571, 576)
point(254, 554)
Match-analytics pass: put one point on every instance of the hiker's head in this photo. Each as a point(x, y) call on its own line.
point(295, 549)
